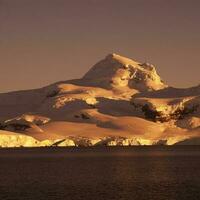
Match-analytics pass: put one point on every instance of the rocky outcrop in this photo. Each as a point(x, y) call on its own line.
point(24, 122)
point(167, 109)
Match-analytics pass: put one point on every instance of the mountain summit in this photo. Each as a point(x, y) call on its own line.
point(117, 102)
point(118, 71)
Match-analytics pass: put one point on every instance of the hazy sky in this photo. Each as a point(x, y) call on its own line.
point(44, 41)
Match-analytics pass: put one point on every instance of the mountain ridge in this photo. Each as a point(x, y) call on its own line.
point(117, 102)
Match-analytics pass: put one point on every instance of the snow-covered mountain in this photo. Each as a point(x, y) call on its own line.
point(117, 102)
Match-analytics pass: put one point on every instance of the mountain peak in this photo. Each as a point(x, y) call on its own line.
point(121, 59)
point(118, 71)
point(110, 105)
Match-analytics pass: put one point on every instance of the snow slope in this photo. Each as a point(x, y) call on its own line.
point(117, 102)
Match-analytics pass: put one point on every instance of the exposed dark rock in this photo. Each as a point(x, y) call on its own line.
point(16, 127)
point(150, 114)
point(2, 127)
point(160, 142)
point(84, 116)
point(53, 93)
point(180, 113)
point(58, 142)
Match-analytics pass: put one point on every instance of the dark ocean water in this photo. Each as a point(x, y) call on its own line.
point(135, 173)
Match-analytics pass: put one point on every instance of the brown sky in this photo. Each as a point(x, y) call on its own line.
point(44, 41)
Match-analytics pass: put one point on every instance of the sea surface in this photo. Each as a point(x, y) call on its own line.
point(117, 173)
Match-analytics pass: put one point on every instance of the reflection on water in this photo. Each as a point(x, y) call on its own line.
point(135, 173)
